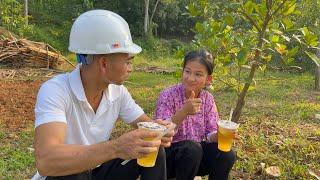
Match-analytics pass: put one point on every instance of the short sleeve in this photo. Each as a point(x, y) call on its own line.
point(211, 115)
point(164, 108)
point(129, 110)
point(50, 104)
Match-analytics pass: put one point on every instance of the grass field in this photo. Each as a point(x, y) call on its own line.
point(278, 124)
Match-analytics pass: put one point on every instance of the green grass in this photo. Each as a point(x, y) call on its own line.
point(17, 161)
point(277, 128)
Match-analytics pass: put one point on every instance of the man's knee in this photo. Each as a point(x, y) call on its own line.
point(190, 150)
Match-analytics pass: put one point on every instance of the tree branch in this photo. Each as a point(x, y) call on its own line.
point(153, 12)
point(279, 7)
point(250, 19)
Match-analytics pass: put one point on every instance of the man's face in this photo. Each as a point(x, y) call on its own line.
point(119, 66)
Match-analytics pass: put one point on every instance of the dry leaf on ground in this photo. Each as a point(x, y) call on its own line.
point(315, 174)
point(273, 171)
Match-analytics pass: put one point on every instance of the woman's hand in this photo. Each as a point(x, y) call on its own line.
point(192, 105)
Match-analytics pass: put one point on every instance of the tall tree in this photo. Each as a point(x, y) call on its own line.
point(148, 20)
point(26, 11)
point(146, 16)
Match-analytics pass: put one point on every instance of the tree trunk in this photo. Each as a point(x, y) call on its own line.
point(240, 102)
point(146, 16)
point(26, 11)
point(151, 17)
point(317, 73)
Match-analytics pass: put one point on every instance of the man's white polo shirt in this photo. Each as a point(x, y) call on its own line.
point(62, 99)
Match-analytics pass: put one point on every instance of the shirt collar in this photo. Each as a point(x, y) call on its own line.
point(111, 93)
point(76, 84)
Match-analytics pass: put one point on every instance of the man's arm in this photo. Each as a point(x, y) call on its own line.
point(55, 158)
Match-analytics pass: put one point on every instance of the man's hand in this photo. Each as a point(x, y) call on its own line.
point(132, 144)
point(192, 105)
point(167, 138)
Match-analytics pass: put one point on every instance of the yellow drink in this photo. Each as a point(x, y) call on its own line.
point(226, 131)
point(149, 160)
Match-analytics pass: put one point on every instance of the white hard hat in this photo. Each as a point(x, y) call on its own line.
point(101, 32)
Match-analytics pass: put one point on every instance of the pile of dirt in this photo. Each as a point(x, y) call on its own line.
point(17, 53)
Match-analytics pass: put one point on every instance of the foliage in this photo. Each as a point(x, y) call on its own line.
point(11, 17)
point(154, 48)
point(172, 19)
point(246, 36)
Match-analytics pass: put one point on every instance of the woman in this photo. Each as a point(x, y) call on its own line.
point(194, 150)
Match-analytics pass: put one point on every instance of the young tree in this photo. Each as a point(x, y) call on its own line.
point(148, 19)
point(247, 35)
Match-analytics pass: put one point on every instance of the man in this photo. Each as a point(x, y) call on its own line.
point(76, 112)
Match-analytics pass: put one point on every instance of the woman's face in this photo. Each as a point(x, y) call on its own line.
point(195, 76)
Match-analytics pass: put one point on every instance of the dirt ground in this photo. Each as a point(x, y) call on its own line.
point(17, 99)
point(18, 91)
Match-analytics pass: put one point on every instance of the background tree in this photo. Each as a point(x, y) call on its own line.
point(245, 36)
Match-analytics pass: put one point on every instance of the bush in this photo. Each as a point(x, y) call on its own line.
point(154, 47)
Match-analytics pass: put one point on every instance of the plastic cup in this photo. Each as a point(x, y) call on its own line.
point(226, 130)
point(150, 159)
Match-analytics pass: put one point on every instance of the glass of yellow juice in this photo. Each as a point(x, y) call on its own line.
point(226, 130)
point(150, 159)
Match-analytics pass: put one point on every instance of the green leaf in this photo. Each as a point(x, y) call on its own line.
point(293, 51)
point(290, 10)
point(199, 27)
point(242, 56)
point(275, 38)
point(288, 23)
point(249, 6)
point(261, 10)
point(229, 20)
point(266, 58)
point(311, 39)
point(251, 87)
point(313, 57)
point(223, 26)
point(289, 60)
point(215, 26)
point(192, 9)
point(304, 31)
